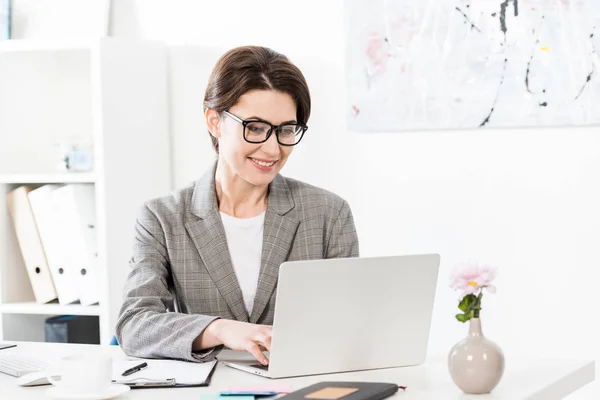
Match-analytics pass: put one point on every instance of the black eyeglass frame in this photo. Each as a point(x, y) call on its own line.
point(276, 128)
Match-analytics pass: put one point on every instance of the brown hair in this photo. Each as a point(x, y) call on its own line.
point(247, 68)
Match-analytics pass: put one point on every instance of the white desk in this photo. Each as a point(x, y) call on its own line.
point(531, 380)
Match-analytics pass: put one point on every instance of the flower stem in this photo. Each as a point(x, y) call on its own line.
point(477, 307)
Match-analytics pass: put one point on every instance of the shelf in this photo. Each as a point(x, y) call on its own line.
point(54, 92)
point(48, 309)
point(72, 177)
point(24, 45)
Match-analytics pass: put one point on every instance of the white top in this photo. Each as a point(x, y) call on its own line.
point(524, 379)
point(244, 240)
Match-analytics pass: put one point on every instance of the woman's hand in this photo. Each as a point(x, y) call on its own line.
point(239, 336)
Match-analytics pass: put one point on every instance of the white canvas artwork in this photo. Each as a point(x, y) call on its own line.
point(455, 64)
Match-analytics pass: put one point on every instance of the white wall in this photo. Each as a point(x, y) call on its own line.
point(525, 200)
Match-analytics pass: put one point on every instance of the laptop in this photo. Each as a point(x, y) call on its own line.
point(349, 314)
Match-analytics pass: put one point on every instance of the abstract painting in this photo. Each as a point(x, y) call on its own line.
point(455, 64)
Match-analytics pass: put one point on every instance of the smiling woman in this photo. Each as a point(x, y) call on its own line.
point(211, 251)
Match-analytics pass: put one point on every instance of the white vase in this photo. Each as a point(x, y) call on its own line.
point(476, 364)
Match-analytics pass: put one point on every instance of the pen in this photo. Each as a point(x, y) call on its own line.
point(134, 369)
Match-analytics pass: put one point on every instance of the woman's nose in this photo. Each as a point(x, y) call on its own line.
point(271, 146)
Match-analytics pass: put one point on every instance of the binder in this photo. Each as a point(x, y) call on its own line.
point(30, 244)
point(76, 207)
point(49, 226)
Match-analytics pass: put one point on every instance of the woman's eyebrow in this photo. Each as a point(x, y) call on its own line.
point(262, 119)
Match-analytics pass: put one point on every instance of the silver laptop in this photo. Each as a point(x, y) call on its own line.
point(350, 314)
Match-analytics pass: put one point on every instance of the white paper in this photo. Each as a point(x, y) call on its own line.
point(183, 372)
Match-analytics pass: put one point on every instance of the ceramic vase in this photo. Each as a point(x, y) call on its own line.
point(476, 364)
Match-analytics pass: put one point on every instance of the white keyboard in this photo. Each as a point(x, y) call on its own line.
point(19, 365)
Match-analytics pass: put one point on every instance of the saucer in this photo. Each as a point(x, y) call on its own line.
point(112, 391)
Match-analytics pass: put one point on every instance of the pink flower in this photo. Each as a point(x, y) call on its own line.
point(469, 278)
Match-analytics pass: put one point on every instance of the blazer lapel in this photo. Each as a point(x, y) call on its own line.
point(208, 235)
point(279, 232)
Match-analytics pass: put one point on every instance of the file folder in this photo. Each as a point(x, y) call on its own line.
point(76, 206)
point(31, 246)
point(49, 226)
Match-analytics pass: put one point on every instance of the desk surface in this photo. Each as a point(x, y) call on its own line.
point(523, 379)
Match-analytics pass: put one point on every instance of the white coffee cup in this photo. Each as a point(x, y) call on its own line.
point(82, 373)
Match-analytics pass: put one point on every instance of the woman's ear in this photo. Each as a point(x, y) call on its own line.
point(213, 122)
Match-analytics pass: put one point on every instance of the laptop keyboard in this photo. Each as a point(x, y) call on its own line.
point(260, 366)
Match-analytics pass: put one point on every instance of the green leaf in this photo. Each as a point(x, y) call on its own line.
point(466, 302)
point(463, 317)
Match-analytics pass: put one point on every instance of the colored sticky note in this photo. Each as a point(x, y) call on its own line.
point(255, 393)
point(285, 389)
point(218, 397)
point(246, 397)
point(210, 397)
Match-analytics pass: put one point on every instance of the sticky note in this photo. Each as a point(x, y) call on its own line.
point(218, 397)
point(210, 397)
point(262, 388)
point(331, 393)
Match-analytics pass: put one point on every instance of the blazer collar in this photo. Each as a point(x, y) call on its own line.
point(204, 197)
point(208, 235)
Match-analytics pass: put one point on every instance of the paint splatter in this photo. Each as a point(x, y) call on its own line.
point(468, 20)
point(589, 77)
point(503, 13)
point(377, 51)
point(504, 29)
point(528, 71)
point(587, 80)
point(487, 119)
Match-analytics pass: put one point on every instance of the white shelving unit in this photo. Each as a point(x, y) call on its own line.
point(31, 307)
point(12, 179)
point(111, 94)
point(37, 45)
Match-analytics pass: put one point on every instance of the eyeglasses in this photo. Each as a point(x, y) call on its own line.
point(259, 131)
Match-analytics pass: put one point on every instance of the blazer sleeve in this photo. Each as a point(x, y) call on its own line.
point(144, 327)
point(343, 240)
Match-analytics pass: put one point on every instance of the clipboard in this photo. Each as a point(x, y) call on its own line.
point(150, 378)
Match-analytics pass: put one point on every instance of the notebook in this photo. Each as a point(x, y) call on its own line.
point(164, 373)
point(343, 391)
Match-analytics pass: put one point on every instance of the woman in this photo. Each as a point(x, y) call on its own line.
point(211, 251)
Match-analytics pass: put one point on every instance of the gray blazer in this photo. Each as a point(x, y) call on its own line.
point(181, 260)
